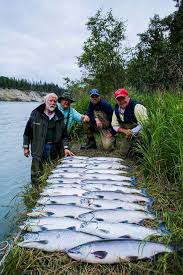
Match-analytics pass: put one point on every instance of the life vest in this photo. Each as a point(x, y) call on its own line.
point(129, 116)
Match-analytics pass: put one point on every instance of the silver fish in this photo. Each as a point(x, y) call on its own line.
point(111, 187)
point(76, 157)
point(63, 191)
point(118, 230)
point(62, 180)
point(68, 170)
point(63, 185)
point(105, 171)
point(66, 175)
point(77, 165)
point(107, 166)
point(71, 200)
point(112, 204)
point(56, 240)
point(116, 216)
point(105, 177)
point(125, 182)
point(113, 251)
point(56, 210)
point(50, 223)
point(111, 195)
point(106, 159)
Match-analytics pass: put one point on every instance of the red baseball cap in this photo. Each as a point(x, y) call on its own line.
point(121, 92)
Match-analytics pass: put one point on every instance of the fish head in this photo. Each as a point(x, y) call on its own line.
point(31, 237)
point(85, 202)
point(88, 227)
point(80, 252)
point(86, 216)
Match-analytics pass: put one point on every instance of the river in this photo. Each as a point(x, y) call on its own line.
point(14, 167)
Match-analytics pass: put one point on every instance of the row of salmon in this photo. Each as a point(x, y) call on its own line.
point(92, 210)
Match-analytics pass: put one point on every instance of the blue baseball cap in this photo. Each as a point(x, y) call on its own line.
point(94, 92)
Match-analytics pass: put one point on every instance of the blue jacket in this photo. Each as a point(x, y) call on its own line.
point(73, 115)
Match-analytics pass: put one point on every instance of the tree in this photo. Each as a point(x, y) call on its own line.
point(101, 60)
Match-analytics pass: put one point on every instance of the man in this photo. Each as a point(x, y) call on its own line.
point(45, 131)
point(100, 114)
point(70, 114)
point(127, 118)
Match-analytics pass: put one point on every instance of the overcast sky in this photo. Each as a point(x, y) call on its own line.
point(40, 39)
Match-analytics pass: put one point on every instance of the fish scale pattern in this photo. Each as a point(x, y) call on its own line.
point(92, 209)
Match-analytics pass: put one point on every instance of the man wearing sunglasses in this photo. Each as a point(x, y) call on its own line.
point(100, 114)
point(127, 118)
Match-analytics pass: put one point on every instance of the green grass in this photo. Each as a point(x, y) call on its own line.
point(158, 167)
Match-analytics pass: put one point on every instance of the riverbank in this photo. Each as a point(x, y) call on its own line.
point(27, 261)
point(22, 96)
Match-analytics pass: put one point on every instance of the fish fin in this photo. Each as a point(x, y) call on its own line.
point(43, 228)
point(100, 219)
point(71, 228)
point(134, 181)
point(69, 216)
point(105, 231)
point(163, 229)
point(141, 222)
point(97, 205)
point(49, 213)
point(100, 196)
point(150, 203)
point(53, 202)
point(100, 254)
point(125, 237)
point(40, 241)
point(144, 192)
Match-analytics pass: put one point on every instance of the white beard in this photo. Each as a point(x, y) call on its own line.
point(51, 109)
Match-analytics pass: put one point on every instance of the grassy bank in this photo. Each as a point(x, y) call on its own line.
point(158, 167)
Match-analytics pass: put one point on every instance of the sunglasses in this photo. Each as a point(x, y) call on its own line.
point(94, 96)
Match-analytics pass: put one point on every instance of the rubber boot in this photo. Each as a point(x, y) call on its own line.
point(90, 144)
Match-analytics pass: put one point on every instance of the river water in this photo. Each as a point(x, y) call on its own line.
point(14, 167)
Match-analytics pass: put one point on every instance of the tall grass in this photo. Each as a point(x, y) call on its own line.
point(162, 140)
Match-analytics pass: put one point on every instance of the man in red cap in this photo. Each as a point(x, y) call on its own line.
point(127, 118)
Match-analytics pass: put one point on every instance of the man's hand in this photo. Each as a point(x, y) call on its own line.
point(127, 132)
point(68, 153)
point(26, 152)
point(85, 118)
point(98, 122)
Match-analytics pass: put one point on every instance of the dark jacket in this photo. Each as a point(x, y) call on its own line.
point(103, 106)
point(36, 129)
point(129, 116)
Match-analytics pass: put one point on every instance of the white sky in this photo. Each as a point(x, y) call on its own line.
point(40, 39)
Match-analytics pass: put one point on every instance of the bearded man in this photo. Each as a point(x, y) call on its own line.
point(45, 132)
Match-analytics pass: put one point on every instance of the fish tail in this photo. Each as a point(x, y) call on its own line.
point(163, 229)
point(144, 192)
point(133, 180)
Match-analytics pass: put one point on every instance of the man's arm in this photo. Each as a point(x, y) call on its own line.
point(27, 137)
point(108, 110)
point(116, 126)
point(90, 113)
point(141, 115)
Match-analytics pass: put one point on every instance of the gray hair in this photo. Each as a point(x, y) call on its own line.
point(50, 95)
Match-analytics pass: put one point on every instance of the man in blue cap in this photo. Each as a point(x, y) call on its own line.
point(100, 114)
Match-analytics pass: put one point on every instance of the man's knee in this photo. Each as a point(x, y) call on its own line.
point(108, 144)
